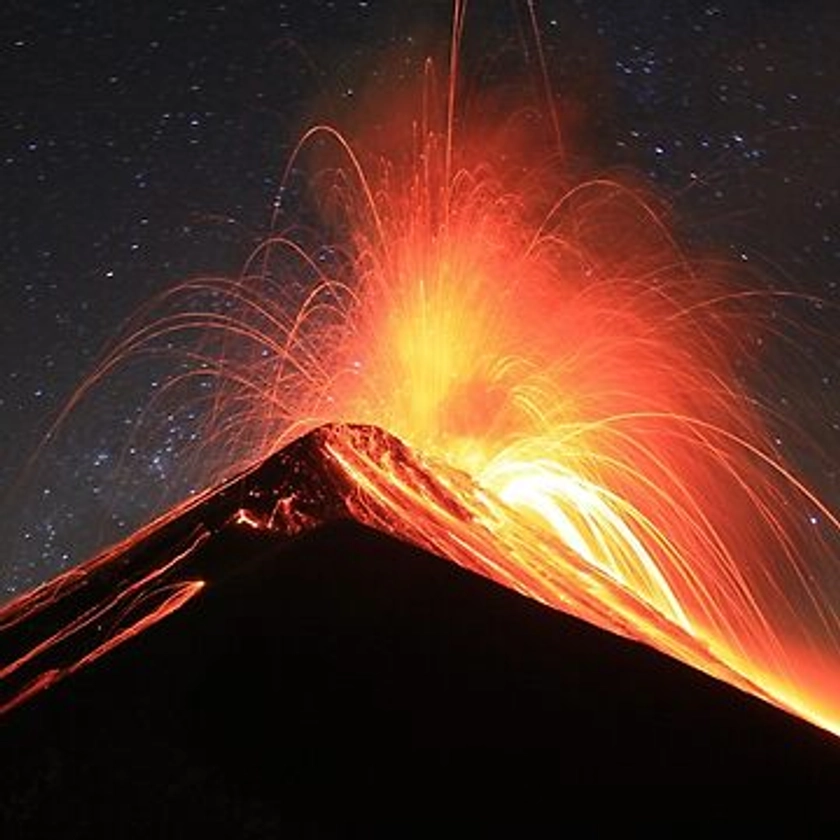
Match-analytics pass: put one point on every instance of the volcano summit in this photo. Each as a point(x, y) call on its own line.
point(282, 635)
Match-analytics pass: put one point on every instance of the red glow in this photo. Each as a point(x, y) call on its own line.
point(549, 339)
point(246, 518)
point(567, 374)
point(106, 624)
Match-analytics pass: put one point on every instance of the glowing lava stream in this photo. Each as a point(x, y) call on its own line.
point(544, 336)
point(549, 339)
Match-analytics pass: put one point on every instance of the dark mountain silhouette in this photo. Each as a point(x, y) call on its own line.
point(237, 679)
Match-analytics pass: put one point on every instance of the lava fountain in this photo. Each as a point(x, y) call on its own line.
point(549, 351)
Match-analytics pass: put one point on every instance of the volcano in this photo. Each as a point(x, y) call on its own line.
point(277, 639)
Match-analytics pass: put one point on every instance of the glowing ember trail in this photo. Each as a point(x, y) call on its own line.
point(564, 371)
point(553, 343)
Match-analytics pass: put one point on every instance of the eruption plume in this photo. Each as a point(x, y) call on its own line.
point(569, 379)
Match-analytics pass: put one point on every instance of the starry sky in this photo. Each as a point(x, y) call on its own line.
point(142, 144)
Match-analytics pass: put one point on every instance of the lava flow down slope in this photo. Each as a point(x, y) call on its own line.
point(498, 362)
point(275, 639)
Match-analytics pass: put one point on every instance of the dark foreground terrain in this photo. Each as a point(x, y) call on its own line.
point(342, 674)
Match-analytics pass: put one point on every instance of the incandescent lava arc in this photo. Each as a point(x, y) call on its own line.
point(566, 381)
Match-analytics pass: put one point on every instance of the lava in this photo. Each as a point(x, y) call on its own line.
point(550, 339)
point(570, 379)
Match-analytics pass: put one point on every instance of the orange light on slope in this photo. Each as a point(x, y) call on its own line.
point(550, 340)
point(570, 373)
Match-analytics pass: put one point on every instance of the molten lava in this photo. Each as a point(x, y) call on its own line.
point(551, 341)
point(571, 379)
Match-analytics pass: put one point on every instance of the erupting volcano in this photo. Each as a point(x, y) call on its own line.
point(509, 366)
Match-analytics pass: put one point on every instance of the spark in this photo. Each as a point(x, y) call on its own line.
point(548, 338)
point(568, 377)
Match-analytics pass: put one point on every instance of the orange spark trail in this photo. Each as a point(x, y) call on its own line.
point(550, 340)
point(567, 373)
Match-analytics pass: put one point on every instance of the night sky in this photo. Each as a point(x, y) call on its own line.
point(142, 144)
